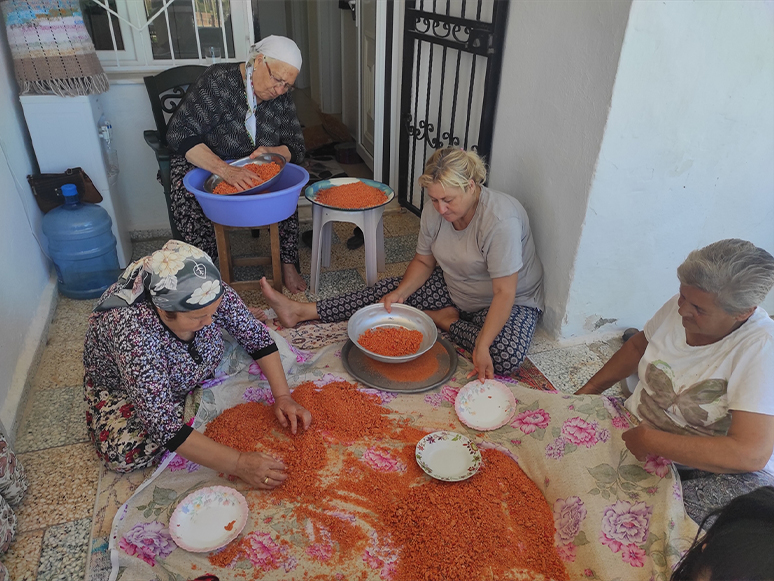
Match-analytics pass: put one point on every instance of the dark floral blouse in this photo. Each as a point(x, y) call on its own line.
point(213, 112)
point(130, 352)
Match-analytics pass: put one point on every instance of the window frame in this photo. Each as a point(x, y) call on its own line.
point(137, 56)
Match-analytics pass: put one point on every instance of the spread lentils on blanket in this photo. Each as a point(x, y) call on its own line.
point(495, 525)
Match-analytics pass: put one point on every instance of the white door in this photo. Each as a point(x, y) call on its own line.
point(371, 19)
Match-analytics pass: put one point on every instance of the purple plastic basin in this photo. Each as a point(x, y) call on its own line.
point(252, 210)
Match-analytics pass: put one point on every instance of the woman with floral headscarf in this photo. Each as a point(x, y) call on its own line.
point(153, 337)
point(237, 110)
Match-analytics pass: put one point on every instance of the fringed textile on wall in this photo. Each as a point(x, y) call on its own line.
point(51, 48)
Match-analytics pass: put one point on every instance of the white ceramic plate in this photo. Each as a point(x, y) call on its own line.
point(485, 406)
point(208, 519)
point(448, 456)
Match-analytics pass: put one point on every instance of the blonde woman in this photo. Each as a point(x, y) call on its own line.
point(475, 272)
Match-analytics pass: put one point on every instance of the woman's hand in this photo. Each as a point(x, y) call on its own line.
point(391, 298)
point(287, 410)
point(283, 150)
point(260, 470)
point(239, 177)
point(635, 440)
point(482, 363)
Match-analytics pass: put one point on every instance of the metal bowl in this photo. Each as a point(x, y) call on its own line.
point(211, 182)
point(374, 316)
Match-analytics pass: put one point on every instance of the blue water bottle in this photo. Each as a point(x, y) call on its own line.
point(82, 246)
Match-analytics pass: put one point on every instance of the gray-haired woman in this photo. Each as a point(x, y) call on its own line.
point(705, 361)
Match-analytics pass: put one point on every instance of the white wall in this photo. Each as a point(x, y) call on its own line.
point(687, 157)
point(127, 106)
point(558, 71)
point(27, 294)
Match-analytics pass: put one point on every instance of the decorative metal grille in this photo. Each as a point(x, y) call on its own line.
point(452, 58)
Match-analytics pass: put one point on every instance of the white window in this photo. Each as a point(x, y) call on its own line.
point(152, 35)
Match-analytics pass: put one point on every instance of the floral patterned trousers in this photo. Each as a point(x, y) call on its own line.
point(117, 433)
point(13, 485)
point(196, 229)
point(508, 350)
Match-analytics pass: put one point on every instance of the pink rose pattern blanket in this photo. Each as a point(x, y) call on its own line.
point(615, 517)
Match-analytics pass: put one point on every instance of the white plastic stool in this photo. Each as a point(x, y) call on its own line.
point(370, 222)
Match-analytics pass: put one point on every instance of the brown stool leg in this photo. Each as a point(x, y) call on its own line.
point(224, 253)
point(276, 264)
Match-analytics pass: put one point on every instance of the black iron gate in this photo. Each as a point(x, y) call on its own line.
point(445, 98)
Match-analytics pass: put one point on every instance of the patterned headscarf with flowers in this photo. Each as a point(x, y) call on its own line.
point(179, 277)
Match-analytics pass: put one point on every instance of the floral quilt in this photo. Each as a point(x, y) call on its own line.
point(615, 518)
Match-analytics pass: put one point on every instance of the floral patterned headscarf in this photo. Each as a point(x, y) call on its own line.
point(179, 277)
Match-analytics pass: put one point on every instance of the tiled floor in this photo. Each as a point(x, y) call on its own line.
point(57, 516)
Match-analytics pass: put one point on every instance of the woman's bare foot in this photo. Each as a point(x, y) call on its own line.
point(445, 317)
point(293, 281)
point(289, 312)
point(259, 314)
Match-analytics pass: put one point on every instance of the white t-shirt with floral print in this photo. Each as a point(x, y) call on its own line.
point(691, 390)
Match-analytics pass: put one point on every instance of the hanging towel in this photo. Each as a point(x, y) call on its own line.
point(51, 48)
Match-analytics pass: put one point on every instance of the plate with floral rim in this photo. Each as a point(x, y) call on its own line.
point(448, 456)
point(485, 406)
point(208, 519)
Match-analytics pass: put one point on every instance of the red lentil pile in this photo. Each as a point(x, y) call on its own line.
point(496, 525)
point(392, 341)
point(352, 196)
point(264, 171)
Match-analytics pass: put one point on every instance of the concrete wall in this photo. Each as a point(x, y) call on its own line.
point(559, 67)
point(28, 293)
point(687, 157)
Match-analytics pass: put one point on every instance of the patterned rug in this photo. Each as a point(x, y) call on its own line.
point(115, 489)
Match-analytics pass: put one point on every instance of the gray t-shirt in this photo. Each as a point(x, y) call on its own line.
point(496, 243)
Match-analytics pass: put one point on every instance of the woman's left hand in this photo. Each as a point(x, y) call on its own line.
point(634, 439)
point(261, 150)
point(283, 150)
point(288, 410)
point(482, 363)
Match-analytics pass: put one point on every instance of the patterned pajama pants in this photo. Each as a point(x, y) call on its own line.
point(508, 350)
point(196, 229)
point(704, 492)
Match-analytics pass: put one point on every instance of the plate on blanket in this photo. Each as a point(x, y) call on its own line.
point(485, 406)
point(448, 456)
point(208, 519)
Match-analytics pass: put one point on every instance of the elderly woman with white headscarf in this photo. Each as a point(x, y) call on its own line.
point(237, 110)
point(154, 336)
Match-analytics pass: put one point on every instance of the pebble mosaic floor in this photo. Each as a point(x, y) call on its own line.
point(57, 516)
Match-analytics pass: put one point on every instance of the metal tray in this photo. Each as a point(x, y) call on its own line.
point(358, 366)
point(211, 182)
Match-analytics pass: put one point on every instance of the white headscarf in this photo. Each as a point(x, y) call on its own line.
point(276, 47)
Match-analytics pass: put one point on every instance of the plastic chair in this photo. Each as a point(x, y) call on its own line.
point(370, 221)
point(165, 91)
